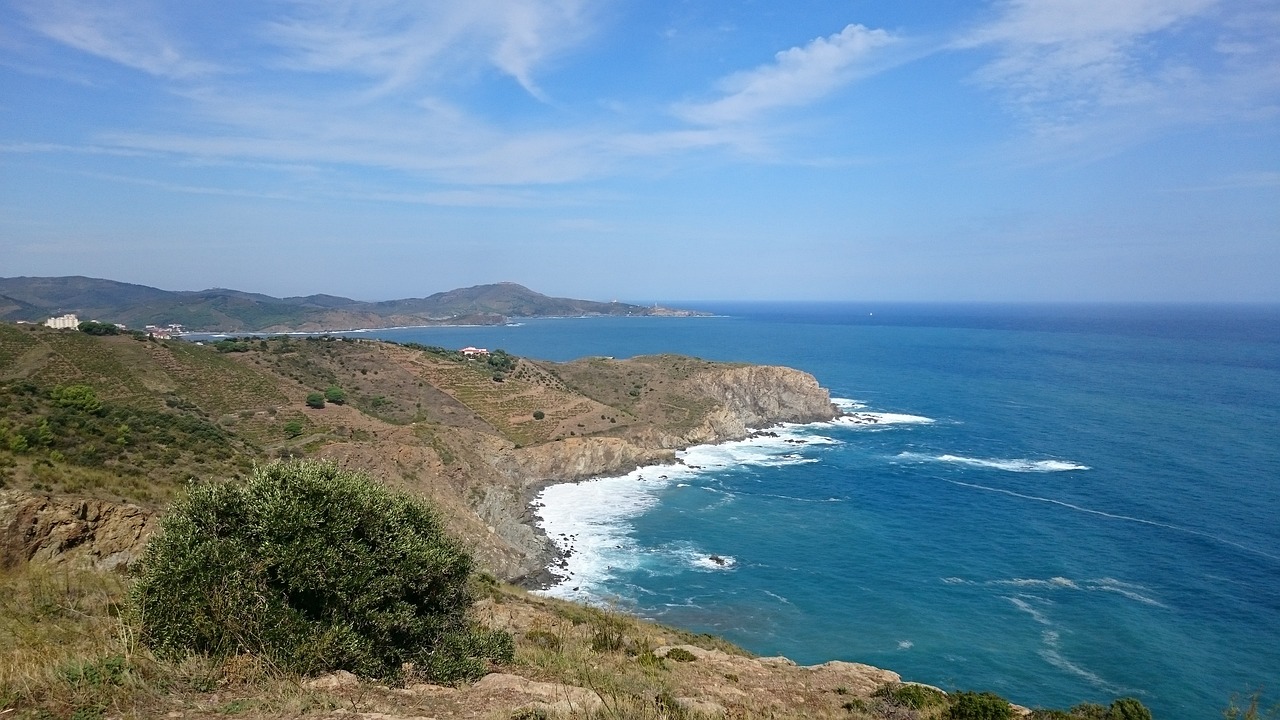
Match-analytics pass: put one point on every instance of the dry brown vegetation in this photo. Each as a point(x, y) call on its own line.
point(68, 651)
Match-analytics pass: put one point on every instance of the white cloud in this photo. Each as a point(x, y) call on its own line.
point(1107, 73)
point(797, 76)
point(359, 87)
point(123, 32)
point(1050, 22)
point(399, 42)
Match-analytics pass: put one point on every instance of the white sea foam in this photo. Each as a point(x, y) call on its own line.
point(1128, 590)
point(1117, 516)
point(1131, 591)
point(856, 414)
point(876, 419)
point(905, 644)
point(1053, 582)
point(776, 596)
point(1018, 465)
point(1052, 654)
point(712, 561)
point(589, 522)
point(1026, 607)
point(848, 404)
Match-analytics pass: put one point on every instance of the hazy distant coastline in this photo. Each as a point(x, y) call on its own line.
point(223, 311)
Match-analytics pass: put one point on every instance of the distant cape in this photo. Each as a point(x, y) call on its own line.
point(33, 299)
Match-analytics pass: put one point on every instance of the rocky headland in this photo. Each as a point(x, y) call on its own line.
point(478, 441)
point(99, 433)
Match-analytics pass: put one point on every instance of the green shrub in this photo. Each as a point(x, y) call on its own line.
point(315, 400)
point(608, 636)
point(979, 706)
point(77, 397)
point(681, 655)
point(914, 696)
point(538, 414)
point(335, 395)
point(92, 327)
point(314, 569)
point(1128, 708)
point(544, 639)
point(855, 704)
point(1089, 711)
point(293, 428)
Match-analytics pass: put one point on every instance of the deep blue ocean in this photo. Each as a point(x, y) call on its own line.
point(1055, 503)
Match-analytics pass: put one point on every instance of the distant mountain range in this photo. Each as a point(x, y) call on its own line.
point(220, 310)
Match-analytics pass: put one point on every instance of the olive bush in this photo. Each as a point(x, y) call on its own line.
point(313, 569)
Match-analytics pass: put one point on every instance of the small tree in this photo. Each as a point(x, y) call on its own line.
point(315, 400)
point(77, 397)
point(335, 395)
point(314, 569)
point(92, 327)
point(538, 414)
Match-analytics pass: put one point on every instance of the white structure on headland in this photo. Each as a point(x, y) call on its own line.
point(474, 351)
point(65, 322)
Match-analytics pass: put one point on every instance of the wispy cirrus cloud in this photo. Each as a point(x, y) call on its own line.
point(399, 42)
point(1107, 73)
point(797, 76)
point(384, 85)
point(125, 32)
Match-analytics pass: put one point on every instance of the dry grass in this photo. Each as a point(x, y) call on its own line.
point(63, 645)
point(68, 651)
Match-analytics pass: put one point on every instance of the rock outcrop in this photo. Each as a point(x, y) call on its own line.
point(741, 398)
point(757, 396)
point(94, 533)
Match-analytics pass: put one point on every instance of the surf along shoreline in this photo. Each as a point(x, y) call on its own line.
point(579, 518)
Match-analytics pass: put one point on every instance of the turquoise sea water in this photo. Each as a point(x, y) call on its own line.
point(1057, 503)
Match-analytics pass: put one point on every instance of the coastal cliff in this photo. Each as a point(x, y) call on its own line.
point(478, 436)
point(98, 434)
point(733, 401)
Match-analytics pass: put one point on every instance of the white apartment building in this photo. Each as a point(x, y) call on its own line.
point(64, 322)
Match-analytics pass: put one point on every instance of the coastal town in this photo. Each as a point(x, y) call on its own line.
point(70, 321)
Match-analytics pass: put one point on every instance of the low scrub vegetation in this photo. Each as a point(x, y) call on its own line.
point(313, 569)
point(109, 447)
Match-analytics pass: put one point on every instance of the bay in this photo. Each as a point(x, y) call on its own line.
point(1090, 510)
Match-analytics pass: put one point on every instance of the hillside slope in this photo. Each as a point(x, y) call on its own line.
point(128, 419)
point(33, 299)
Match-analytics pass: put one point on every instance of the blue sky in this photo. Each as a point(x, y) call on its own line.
point(1038, 150)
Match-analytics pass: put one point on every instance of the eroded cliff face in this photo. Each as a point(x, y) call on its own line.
point(742, 399)
point(755, 397)
point(93, 533)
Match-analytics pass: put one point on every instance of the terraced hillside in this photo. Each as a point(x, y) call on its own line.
point(128, 418)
